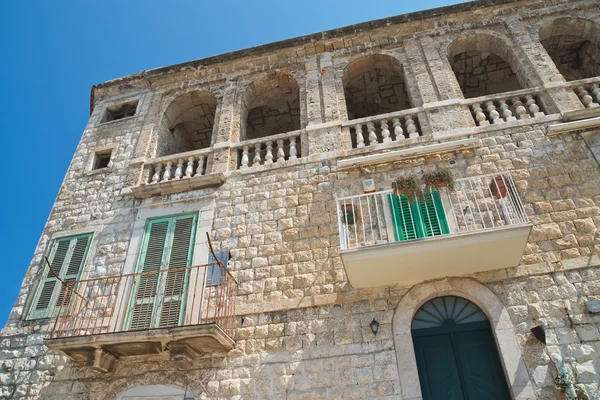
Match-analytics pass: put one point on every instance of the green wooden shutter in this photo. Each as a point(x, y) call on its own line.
point(418, 219)
point(158, 299)
point(146, 285)
point(432, 216)
point(67, 257)
point(176, 281)
point(405, 226)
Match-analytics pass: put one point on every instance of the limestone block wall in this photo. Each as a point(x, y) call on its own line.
point(304, 330)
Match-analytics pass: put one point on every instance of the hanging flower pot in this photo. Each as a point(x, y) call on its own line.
point(439, 179)
point(408, 186)
point(498, 187)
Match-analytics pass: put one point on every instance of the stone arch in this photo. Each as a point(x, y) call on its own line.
point(270, 105)
point(573, 44)
point(187, 124)
point(503, 328)
point(484, 63)
point(374, 84)
point(157, 392)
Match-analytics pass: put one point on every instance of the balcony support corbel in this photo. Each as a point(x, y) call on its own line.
point(101, 360)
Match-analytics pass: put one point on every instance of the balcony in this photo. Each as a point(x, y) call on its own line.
point(175, 313)
point(479, 226)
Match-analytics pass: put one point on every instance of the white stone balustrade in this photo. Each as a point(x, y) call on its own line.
point(372, 131)
point(271, 150)
point(505, 109)
point(177, 167)
point(589, 94)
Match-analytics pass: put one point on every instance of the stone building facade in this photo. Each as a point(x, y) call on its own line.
point(267, 150)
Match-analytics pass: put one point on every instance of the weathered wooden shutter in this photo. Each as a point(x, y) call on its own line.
point(67, 258)
point(158, 298)
point(176, 281)
point(418, 219)
point(146, 285)
point(213, 272)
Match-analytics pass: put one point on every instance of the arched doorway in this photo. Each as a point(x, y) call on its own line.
point(456, 352)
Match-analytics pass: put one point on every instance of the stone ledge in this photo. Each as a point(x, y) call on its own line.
point(101, 352)
point(178, 185)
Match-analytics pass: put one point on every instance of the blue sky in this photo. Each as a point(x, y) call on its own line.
point(54, 51)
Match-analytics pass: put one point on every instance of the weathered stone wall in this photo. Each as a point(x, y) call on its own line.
point(305, 330)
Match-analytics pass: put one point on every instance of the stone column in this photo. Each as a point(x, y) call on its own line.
point(439, 88)
point(323, 132)
point(147, 139)
point(226, 131)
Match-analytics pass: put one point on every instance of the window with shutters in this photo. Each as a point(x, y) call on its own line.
point(158, 295)
point(418, 219)
point(67, 258)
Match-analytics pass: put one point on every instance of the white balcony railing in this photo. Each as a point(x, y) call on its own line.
point(506, 107)
point(385, 128)
point(269, 150)
point(476, 204)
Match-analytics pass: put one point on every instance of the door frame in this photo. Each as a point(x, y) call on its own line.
point(503, 330)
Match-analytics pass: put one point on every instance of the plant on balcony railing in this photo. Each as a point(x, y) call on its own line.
point(438, 179)
point(474, 204)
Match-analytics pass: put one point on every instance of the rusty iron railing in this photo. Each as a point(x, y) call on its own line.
point(187, 296)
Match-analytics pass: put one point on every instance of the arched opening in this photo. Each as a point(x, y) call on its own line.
point(456, 351)
point(574, 46)
point(271, 106)
point(483, 65)
point(374, 85)
point(187, 124)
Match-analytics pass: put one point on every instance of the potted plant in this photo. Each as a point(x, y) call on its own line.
point(443, 177)
point(408, 186)
point(498, 187)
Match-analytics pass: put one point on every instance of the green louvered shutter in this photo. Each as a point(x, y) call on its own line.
point(405, 226)
point(158, 298)
point(431, 214)
point(146, 285)
point(176, 281)
point(67, 258)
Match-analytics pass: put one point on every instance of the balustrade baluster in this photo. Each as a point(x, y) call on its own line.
point(179, 169)
point(257, 157)
point(245, 157)
point(595, 92)
point(360, 140)
point(167, 174)
point(157, 171)
point(493, 113)
point(200, 169)
point(532, 106)
point(293, 149)
point(398, 132)
point(411, 128)
point(385, 133)
point(520, 111)
point(480, 117)
point(189, 169)
point(585, 97)
point(372, 135)
point(269, 153)
point(280, 151)
point(506, 113)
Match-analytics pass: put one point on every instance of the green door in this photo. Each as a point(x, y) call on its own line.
point(456, 352)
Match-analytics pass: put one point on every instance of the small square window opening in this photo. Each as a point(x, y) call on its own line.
point(102, 159)
point(115, 113)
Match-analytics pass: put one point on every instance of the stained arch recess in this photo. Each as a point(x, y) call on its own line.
point(574, 46)
point(484, 64)
point(374, 85)
point(187, 124)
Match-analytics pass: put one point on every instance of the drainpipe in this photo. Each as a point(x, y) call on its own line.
point(564, 375)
